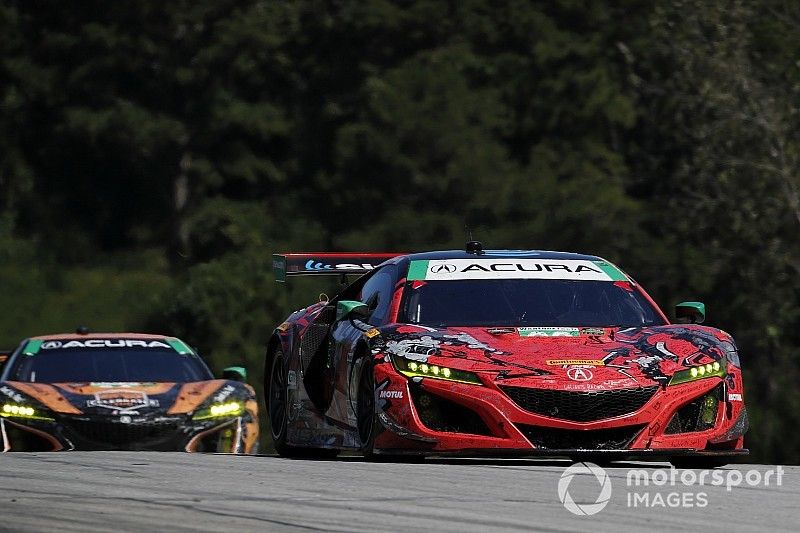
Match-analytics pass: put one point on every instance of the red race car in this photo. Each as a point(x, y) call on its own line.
point(499, 352)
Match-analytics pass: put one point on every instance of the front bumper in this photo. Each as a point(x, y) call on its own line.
point(479, 420)
point(176, 433)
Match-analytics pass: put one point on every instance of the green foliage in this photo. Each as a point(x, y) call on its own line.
point(40, 297)
point(153, 156)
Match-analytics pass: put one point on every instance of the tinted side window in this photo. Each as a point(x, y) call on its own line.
point(377, 294)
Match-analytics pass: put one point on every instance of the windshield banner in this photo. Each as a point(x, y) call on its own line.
point(514, 268)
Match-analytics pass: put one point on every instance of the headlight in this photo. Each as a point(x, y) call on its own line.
point(416, 369)
point(15, 410)
point(708, 370)
point(219, 410)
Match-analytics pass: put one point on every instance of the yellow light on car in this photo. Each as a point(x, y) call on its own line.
point(707, 370)
point(225, 409)
point(413, 369)
point(11, 409)
point(219, 410)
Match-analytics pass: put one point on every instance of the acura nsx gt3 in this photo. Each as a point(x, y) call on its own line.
point(110, 391)
point(499, 352)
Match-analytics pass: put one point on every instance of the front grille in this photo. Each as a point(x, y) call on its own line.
point(108, 434)
point(585, 406)
point(577, 439)
point(440, 414)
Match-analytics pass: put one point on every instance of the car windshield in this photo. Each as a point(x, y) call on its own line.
point(83, 365)
point(526, 302)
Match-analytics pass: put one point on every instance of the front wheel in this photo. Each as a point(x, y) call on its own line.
point(365, 408)
point(278, 409)
point(277, 403)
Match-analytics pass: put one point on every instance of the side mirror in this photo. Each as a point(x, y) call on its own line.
point(235, 373)
point(4, 355)
point(691, 312)
point(356, 309)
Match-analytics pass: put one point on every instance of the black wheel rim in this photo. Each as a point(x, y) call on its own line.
point(366, 404)
point(277, 397)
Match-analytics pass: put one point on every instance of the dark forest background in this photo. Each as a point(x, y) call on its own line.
point(153, 155)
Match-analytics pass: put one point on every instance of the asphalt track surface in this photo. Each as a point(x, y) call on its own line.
point(141, 491)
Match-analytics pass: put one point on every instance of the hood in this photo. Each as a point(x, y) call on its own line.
point(121, 398)
point(561, 357)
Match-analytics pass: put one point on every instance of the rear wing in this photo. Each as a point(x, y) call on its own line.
point(321, 264)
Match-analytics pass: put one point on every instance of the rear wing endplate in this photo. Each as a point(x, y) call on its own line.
point(321, 264)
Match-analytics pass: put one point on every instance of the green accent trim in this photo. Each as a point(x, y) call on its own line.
point(242, 371)
point(698, 307)
point(33, 347)
point(179, 346)
point(417, 270)
point(279, 267)
point(345, 307)
point(611, 271)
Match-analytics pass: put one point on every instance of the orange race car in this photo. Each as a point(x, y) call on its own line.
point(122, 391)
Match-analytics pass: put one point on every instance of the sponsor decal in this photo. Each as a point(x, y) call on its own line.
point(567, 362)
point(223, 393)
point(122, 400)
point(444, 267)
point(734, 397)
point(11, 393)
point(116, 384)
point(291, 380)
point(372, 333)
point(104, 343)
point(513, 268)
point(391, 394)
point(579, 374)
point(548, 332)
point(314, 265)
point(50, 345)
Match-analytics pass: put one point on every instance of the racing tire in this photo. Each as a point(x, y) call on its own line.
point(367, 419)
point(278, 409)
